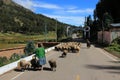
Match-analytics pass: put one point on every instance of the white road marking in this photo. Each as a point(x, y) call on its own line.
point(17, 76)
point(107, 54)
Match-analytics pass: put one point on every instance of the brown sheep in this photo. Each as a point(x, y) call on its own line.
point(53, 65)
point(64, 54)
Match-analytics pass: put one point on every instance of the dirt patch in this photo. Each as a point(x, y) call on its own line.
point(19, 50)
point(8, 52)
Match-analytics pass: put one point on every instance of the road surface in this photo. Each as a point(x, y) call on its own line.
point(89, 64)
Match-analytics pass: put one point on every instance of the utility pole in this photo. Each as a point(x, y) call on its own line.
point(45, 31)
point(102, 32)
point(56, 29)
point(68, 27)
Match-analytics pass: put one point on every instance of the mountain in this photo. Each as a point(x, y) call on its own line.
point(16, 18)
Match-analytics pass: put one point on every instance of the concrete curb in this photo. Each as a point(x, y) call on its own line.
point(13, 65)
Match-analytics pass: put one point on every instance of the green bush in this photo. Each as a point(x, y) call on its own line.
point(14, 57)
point(3, 61)
point(29, 48)
point(115, 46)
point(117, 40)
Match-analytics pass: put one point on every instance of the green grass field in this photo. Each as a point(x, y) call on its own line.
point(9, 40)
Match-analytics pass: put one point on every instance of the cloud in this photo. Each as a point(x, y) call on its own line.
point(71, 7)
point(47, 6)
point(81, 11)
point(31, 4)
point(25, 3)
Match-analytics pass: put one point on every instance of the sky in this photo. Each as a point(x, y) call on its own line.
point(67, 11)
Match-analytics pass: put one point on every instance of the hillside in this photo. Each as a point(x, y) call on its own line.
point(16, 18)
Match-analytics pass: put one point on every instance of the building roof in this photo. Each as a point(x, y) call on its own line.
point(115, 25)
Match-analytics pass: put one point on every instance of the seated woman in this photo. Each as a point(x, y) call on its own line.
point(40, 54)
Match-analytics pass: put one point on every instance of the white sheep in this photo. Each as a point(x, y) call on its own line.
point(23, 65)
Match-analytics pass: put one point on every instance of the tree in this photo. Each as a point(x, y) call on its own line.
point(61, 31)
point(107, 19)
point(110, 6)
point(89, 20)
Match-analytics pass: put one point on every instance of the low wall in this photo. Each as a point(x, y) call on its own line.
point(104, 37)
point(13, 65)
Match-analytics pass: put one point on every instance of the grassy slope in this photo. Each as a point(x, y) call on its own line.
point(9, 40)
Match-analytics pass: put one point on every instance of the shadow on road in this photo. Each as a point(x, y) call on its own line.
point(17, 70)
point(30, 69)
point(103, 67)
point(114, 61)
point(115, 72)
point(47, 69)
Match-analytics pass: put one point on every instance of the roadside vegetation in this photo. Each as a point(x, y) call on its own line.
point(114, 47)
point(28, 50)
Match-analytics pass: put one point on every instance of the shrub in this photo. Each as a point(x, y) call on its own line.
point(29, 48)
point(14, 57)
point(117, 40)
point(3, 61)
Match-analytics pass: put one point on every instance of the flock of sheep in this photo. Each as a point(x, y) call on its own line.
point(73, 47)
point(68, 47)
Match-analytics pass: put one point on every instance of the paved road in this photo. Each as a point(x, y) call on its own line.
point(88, 64)
point(74, 36)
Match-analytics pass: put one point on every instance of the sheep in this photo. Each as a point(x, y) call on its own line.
point(57, 48)
point(69, 46)
point(64, 54)
point(23, 65)
point(53, 65)
point(77, 48)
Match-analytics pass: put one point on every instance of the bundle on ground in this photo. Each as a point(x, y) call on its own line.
point(34, 63)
